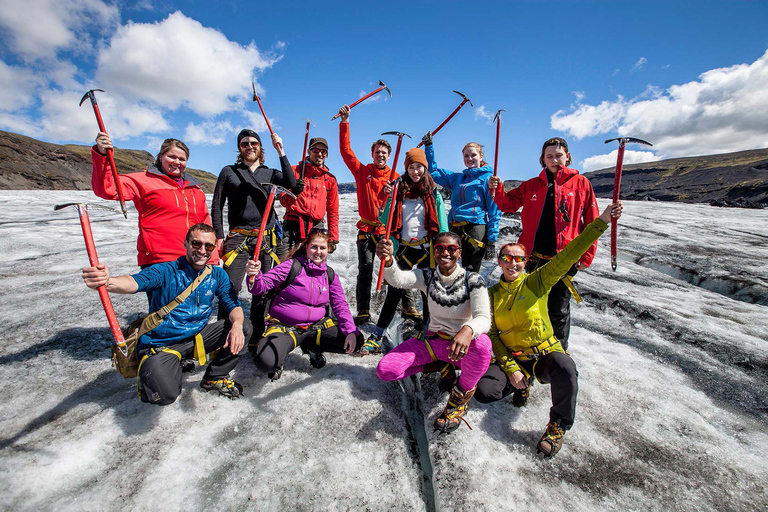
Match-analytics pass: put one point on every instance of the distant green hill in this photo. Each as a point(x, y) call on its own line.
point(30, 164)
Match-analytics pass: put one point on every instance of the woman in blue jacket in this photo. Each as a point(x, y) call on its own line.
point(474, 215)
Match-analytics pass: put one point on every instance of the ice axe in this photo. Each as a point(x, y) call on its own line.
point(463, 102)
point(400, 136)
point(304, 153)
point(367, 96)
point(497, 119)
point(110, 151)
point(93, 257)
point(265, 218)
point(617, 189)
point(257, 100)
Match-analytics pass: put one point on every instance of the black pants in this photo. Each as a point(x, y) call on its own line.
point(160, 373)
point(471, 256)
point(271, 350)
point(366, 249)
point(555, 368)
point(558, 304)
point(236, 273)
point(292, 236)
point(405, 258)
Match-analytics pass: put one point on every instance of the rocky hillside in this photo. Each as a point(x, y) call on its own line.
point(730, 179)
point(30, 164)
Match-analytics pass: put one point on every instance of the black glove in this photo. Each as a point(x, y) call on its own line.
point(299, 187)
point(427, 139)
point(490, 251)
point(332, 246)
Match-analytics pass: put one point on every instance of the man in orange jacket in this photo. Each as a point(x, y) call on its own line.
point(371, 197)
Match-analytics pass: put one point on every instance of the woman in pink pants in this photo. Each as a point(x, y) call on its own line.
point(459, 318)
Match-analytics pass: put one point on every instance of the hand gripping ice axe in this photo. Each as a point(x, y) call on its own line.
point(383, 87)
point(265, 218)
point(497, 119)
point(257, 100)
point(392, 205)
point(110, 152)
point(464, 101)
point(93, 257)
point(617, 189)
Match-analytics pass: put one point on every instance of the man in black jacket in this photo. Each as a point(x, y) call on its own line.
point(243, 187)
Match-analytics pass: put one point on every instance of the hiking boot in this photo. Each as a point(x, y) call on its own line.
point(187, 365)
point(520, 397)
point(316, 359)
point(275, 375)
point(551, 441)
point(363, 317)
point(447, 378)
point(372, 345)
point(453, 414)
point(412, 314)
point(226, 387)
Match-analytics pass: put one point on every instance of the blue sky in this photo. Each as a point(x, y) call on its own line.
point(691, 79)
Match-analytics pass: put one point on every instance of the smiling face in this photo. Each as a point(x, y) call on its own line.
point(317, 249)
point(317, 155)
point(380, 154)
point(447, 254)
point(250, 150)
point(472, 157)
point(199, 248)
point(511, 270)
point(416, 172)
point(555, 157)
point(173, 162)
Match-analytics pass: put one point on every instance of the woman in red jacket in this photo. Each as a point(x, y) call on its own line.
point(167, 200)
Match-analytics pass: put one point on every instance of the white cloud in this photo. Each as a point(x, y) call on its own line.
point(480, 112)
point(210, 133)
point(17, 87)
point(640, 64)
point(179, 62)
point(630, 157)
point(723, 110)
point(40, 28)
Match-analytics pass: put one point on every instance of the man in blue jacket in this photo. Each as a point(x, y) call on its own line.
point(162, 349)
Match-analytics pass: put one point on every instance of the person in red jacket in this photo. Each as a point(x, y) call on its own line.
point(317, 198)
point(168, 200)
point(370, 181)
point(557, 205)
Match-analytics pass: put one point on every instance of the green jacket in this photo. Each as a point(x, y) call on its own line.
point(520, 318)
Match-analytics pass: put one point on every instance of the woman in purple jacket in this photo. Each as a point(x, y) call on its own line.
point(300, 314)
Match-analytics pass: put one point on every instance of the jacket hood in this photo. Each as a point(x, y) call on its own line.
point(191, 180)
point(312, 169)
point(479, 172)
point(311, 266)
point(564, 174)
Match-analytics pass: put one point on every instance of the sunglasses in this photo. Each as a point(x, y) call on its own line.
point(245, 145)
point(452, 248)
point(318, 151)
point(197, 244)
point(507, 258)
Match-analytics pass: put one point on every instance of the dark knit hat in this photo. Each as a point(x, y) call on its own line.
point(247, 133)
point(415, 155)
point(318, 141)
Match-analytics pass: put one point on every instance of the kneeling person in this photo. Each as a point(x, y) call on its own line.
point(185, 331)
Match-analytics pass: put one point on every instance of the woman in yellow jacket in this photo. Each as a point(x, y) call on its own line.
point(523, 342)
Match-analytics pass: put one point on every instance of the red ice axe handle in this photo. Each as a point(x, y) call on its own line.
point(257, 100)
point(304, 152)
point(366, 97)
point(93, 257)
point(496, 153)
point(264, 220)
point(386, 235)
point(110, 152)
point(463, 102)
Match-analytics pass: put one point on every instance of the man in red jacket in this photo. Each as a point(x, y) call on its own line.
point(369, 180)
point(317, 197)
point(557, 205)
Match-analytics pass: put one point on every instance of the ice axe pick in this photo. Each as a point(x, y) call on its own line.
point(110, 152)
point(463, 102)
point(617, 189)
point(367, 96)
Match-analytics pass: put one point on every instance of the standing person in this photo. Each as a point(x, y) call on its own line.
point(523, 342)
point(167, 199)
point(370, 181)
point(418, 216)
point(459, 317)
point(474, 215)
point(185, 331)
point(557, 205)
point(242, 187)
point(317, 197)
point(307, 291)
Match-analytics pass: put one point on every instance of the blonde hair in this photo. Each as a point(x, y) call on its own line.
point(479, 149)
